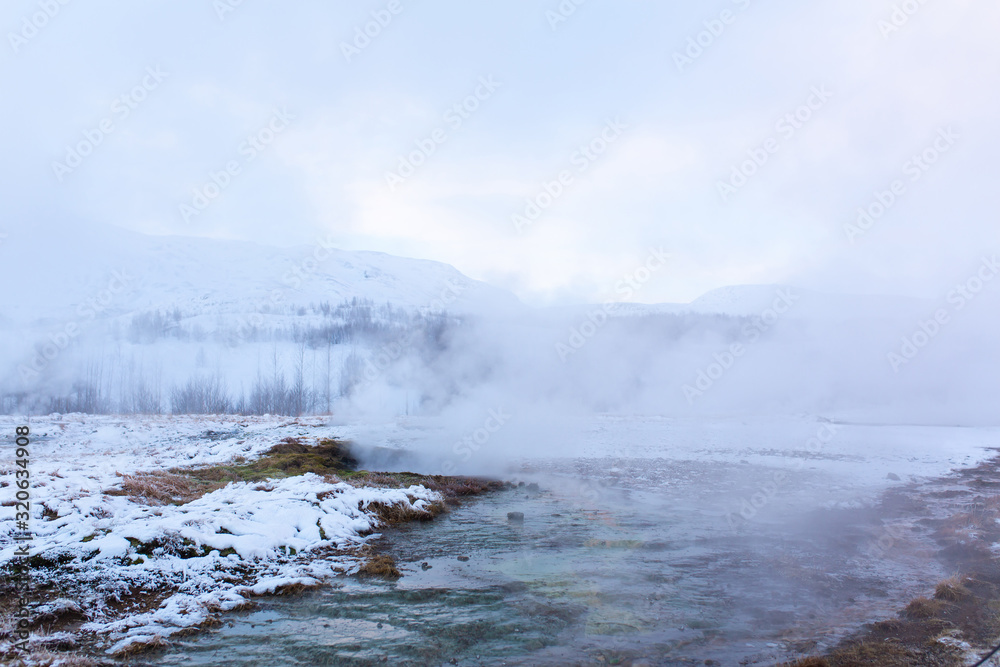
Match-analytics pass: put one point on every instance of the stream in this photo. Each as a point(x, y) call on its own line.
point(627, 562)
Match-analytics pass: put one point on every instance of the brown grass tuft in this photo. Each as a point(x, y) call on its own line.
point(157, 488)
point(890, 626)
point(884, 654)
point(951, 590)
point(44, 658)
point(135, 648)
point(922, 608)
point(395, 514)
point(380, 566)
point(452, 488)
point(290, 589)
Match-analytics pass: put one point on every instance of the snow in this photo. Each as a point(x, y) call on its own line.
point(215, 277)
point(273, 534)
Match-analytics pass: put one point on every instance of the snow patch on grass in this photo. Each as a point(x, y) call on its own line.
point(137, 573)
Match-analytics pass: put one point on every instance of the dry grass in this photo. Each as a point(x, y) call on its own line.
point(398, 513)
point(381, 566)
point(157, 488)
point(951, 590)
point(452, 488)
point(890, 626)
point(923, 608)
point(42, 658)
point(884, 654)
point(136, 648)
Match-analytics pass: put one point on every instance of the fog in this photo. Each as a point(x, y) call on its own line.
point(454, 355)
point(713, 286)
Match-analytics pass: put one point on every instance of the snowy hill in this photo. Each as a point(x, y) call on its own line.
point(55, 275)
point(794, 302)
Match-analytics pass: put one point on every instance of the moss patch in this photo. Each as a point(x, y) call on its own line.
point(289, 458)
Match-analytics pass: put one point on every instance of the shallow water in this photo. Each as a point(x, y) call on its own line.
point(615, 562)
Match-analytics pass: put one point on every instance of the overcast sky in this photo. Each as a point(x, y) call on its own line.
point(183, 85)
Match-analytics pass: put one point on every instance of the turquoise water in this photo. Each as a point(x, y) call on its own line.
point(593, 575)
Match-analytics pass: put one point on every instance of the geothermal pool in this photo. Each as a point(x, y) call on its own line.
point(627, 560)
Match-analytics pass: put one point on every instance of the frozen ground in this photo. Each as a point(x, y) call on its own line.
point(201, 557)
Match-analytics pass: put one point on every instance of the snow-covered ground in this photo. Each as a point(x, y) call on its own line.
point(248, 538)
point(256, 538)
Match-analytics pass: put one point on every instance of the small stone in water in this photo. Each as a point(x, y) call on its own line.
point(378, 625)
point(515, 516)
point(425, 565)
point(463, 558)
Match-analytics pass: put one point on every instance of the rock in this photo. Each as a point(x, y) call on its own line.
point(893, 476)
point(425, 565)
point(463, 558)
point(378, 625)
point(532, 488)
point(515, 517)
point(520, 484)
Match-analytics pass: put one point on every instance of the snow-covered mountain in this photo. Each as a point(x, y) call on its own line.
point(100, 320)
point(793, 303)
point(118, 272)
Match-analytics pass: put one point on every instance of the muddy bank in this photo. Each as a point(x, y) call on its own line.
point(956, 619)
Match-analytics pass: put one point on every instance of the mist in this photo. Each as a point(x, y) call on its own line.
point(669, 316)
